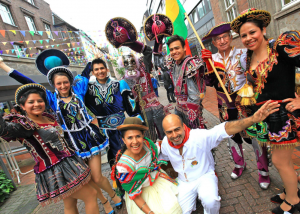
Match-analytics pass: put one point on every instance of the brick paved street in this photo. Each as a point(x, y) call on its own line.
point(238, 196)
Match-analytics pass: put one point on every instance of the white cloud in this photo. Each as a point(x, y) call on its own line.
point(92, 15)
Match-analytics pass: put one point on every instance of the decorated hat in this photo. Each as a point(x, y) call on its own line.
point(250, 14)
point(156, 25)
point(52, 61)
point(132, 123)
point(22, 89)
point(217, 30)
point(120, 31)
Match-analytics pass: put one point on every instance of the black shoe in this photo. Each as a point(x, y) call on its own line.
point(277, 200)
point(278, 209)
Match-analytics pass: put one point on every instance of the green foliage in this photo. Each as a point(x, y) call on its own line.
point(5, 186)
point(121, 71)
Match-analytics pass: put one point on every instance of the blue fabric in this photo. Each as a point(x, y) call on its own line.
point(52, 62)
point(156, 91)
point(154, 82)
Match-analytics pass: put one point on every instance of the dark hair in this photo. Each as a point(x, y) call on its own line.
point(98, 61)
point(25, 96)
point(60, 74)
point(118, 156)
point(176, 38)
point(260, 25)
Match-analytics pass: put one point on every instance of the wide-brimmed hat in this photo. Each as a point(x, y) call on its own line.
point(22, 89)
point(52, 61)
point(120, 31)
point(156, 25)
point(217, 30)
point(250, 14)
point(132, 123)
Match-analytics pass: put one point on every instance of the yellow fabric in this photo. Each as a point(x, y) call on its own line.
point(172, 9)
point(161, 198)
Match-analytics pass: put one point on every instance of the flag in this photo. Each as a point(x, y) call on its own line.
point(175, 11)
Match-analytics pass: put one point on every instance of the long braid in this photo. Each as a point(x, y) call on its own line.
point(118, 156)
point(249, 55)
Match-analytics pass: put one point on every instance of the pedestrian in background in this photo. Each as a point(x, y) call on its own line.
point(168, 84)
point(155, 84)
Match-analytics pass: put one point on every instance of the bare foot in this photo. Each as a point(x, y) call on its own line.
point(116, 199)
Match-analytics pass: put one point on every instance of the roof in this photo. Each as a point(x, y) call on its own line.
point(57, 21)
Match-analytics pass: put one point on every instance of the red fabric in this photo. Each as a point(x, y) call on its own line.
point(188, 50)
point(263, 102)
point(186, 137)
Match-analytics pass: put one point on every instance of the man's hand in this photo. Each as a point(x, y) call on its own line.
point(265, 110)
point(293, 103)
point(234, 127)
point(206, 54)
point(97, 53)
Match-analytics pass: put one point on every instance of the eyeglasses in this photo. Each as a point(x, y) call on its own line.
point(218, 39)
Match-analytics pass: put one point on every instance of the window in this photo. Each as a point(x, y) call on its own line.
point(201, 9)
point(230, 10)
point(63, 35)
point(30, 1)
point(30, 23)
point(161, 7)
point(47, 28)
point(195, 16)
point(287, 2)
point(6, 14)
point(19, 50)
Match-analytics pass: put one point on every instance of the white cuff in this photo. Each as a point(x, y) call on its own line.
point(11, 70)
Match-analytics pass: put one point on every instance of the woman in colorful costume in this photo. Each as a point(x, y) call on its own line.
point(265, 62)
point(76, 120)
point(60, 173)
point(137, 169)
point(233, 76)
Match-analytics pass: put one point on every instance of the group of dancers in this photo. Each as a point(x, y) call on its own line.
point(65, 131)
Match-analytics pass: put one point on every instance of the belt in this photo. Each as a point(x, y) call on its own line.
point(111, 121)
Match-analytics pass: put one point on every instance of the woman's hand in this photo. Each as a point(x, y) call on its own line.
point(6, 68)
point(294, 103)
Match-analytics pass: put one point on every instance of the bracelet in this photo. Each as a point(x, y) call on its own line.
point(143, 206)
point(150, 212)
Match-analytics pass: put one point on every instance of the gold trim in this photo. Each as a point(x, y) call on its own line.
point(136, 36)
point(32, 85)
point(235, 28)
point(160, 33)
point(216, 27)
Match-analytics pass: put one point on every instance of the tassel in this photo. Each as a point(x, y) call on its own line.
point(246, 91)
point(247, 95)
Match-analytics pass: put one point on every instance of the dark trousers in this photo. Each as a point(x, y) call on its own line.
point(170, 94)
point(156, 91)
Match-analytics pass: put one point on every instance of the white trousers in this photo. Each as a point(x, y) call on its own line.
point(206, 187)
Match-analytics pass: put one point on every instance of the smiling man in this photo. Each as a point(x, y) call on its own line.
point(228, 63)
point(108, 100)
point(187, 75)
point(188, 150)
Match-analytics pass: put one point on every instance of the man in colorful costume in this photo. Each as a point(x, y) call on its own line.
point(228, 64)
point(137, 75)
point(108, 99)
point(188, 150)
point(187, 74)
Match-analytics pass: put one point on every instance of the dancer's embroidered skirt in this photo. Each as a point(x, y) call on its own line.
point(61, 180)
point(161, 198)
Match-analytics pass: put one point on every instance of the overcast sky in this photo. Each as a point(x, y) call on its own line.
point(92, 15)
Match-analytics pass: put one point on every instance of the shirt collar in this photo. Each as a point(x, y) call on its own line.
point(230, 53)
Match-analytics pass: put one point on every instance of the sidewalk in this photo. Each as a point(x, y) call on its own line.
point(238, 196)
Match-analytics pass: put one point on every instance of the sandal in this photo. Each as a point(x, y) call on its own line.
point(278, 209)
point(277, 200)
point(118, 205)
point(111, 212)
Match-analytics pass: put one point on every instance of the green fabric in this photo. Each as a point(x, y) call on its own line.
point(142, 173)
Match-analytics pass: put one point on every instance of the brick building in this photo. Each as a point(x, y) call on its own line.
point(285, 14)
point(28, 27)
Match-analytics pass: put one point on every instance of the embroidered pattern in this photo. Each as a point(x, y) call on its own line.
point(291, 38)
point(103, 95)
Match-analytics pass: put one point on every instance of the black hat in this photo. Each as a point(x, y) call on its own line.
point(22, 89)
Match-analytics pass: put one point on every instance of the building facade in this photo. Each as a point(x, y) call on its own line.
point(285, 14)
point(28, 27)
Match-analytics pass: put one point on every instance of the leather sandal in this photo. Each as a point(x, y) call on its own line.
point(111, 212)
point(278, 209)
point(118, 205)
point(277, 200)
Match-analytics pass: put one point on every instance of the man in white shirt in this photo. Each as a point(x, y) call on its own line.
point(189, 151)
point(232, 71)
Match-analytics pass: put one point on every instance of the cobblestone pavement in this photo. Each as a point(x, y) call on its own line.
point(238, 196)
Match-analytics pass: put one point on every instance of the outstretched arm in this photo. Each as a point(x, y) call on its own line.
point(237, 126)
point(15, 74)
